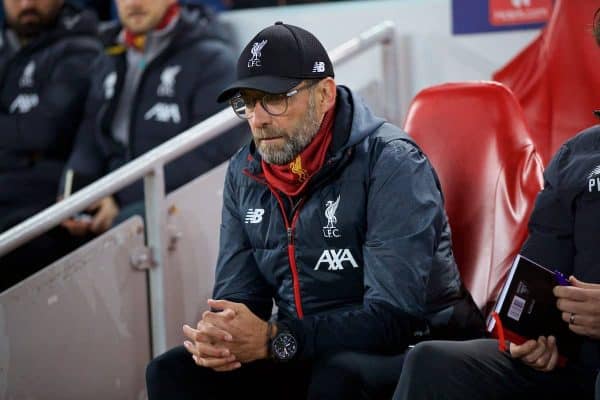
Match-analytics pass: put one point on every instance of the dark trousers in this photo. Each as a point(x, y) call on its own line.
point(476, 369)
point(174, 375)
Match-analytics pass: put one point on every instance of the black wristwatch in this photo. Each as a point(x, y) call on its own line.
point(283, 346)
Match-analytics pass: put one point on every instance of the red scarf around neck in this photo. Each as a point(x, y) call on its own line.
point(292, 178)
point(138, 41)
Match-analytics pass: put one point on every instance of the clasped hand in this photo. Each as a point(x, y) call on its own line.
point(226, 337)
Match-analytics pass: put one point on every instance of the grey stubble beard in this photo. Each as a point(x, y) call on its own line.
point(295, 141)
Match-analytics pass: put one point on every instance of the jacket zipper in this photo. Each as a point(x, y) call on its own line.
point(290, 239)
point(291, 247)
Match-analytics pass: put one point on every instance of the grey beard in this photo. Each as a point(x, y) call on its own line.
point(297, 141)
point(290, 151)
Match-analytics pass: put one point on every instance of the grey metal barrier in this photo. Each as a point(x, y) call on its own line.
point(150, 166)
point(78, 329)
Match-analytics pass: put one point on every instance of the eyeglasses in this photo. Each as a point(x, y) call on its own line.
point(274, 104)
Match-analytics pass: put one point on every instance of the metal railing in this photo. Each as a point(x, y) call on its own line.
point(150, 166)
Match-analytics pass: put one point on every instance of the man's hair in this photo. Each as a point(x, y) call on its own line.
point(596, 26)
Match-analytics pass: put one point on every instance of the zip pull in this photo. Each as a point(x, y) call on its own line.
point(290, 235)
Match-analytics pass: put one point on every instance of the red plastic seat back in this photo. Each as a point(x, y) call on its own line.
point(556, 77)
point(477, 140)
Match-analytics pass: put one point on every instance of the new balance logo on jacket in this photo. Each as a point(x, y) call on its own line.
point(254, 215)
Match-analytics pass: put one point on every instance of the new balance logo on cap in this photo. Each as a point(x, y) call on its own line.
point(254, 215)
point(319, 67)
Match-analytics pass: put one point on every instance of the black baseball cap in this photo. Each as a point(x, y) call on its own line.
point(277, 59)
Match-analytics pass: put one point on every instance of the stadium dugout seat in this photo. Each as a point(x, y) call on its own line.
point(476, 137)
point(555, 77)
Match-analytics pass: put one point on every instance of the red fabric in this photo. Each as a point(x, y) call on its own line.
point(556, 77)
point(138, 41)
point(499, 331)
point(292, 178)
point(476, 138)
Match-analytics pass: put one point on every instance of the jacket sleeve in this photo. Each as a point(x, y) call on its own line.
point(405, 216)
point(550, 240)
point(60, 107)
point(237, 277)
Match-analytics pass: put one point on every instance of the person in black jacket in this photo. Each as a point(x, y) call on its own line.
point(46, 48)
point(335, 215)
point(563, 234)
point(161, 73)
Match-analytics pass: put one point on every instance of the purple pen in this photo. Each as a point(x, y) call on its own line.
point(561, 278)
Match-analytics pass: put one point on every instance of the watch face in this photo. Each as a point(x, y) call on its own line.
point(284, 346)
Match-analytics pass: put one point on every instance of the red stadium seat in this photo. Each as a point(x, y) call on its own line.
point(556, 77)
point(476, 138)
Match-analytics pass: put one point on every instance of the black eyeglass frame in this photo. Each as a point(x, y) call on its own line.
point(237, 102)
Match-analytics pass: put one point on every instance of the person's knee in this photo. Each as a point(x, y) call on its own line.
point(156, 368)
point(430, 359)
point(342, 365)
point(334, 377)
point(175, 361)
point(426, 367)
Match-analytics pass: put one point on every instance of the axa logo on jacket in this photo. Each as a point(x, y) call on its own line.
point(334, 259)
point(164, 112)
point(24, 103)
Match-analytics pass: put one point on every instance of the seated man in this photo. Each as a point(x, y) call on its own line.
point(563, 234)
point(161, 73)
point(46, 48)
point(338, 217)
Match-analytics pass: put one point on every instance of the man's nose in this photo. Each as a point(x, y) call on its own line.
point(260, 116)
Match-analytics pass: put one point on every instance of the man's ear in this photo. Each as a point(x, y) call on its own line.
point(326, 94)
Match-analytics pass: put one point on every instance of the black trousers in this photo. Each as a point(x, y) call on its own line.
point(175, 376)
point(476, 369)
